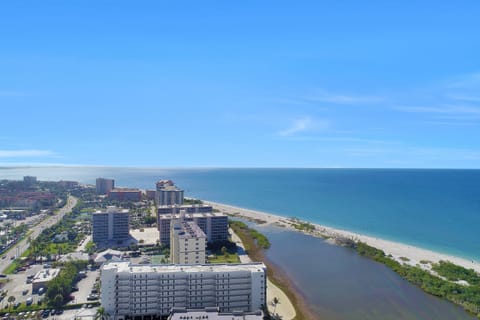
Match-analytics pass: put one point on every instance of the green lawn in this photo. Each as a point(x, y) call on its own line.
point(230, 258)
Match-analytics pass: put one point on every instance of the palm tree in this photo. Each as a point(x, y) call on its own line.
point(101, 314)
point(275, 302)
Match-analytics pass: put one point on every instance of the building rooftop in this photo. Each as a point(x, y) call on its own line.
point(45, 275)
point(127, 267)
point(170, 188)
point(189, 229)
point(125, 190)
point(111, 209)
point(184, 206)
point(212, 314)
point(108, 255)
point(192, 215)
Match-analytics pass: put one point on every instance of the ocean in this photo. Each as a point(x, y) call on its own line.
point(433, 209)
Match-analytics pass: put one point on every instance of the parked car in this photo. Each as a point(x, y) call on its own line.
point(92, 297)
point(29, 301)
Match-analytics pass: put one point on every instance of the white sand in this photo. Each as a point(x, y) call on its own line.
point(396, 249)
point(285, 307)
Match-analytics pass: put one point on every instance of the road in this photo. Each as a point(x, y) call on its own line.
point(19, 248)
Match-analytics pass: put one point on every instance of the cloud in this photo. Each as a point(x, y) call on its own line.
point(26, 153)
point(446, 109)
point(325, 96)
point(463, 97)
point(427, 153)
point(11, 94)
point(302, 125)
point(465, 82)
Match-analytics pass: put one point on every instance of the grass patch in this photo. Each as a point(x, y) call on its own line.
point(12, 267)
point(455, 273)
point(259, 238)
point(304, 226)
point(226, 258)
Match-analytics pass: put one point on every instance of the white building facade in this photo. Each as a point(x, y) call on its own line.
point(129, 291)
point(110, 225)
point(187, 243)
point(213, 224)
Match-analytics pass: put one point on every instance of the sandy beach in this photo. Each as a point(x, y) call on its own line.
point(398, 250)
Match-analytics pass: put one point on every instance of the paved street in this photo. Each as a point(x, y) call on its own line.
point(20, 247)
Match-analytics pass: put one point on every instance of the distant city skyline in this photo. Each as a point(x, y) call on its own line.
point(271, 84)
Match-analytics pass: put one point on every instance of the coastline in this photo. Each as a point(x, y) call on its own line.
point(401, 252)
point(285, 307)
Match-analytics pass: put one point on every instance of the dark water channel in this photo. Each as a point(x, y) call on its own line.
point(340, 284)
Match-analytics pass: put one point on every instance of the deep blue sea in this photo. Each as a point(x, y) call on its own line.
point(433, 209)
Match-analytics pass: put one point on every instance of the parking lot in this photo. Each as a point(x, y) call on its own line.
point(17, 284)
point(85, 287)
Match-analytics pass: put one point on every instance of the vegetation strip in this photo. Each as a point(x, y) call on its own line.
point(465, 295)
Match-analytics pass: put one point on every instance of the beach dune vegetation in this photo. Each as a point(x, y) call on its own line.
point(259, 238)
point(466, 296)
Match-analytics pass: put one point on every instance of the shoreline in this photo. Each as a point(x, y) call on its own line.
point(399, 251)
point(285, 308)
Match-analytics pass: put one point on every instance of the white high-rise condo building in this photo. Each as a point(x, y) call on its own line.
point(187, 243)
point(128, 291)
point(168, 194)
point(213, 224)
point(110, 225)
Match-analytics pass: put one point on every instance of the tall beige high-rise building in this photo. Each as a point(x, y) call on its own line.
point(187, 243)
point(168, 194)
point(103, 186)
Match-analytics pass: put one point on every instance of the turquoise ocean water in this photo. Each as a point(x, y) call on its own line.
point(433, 209)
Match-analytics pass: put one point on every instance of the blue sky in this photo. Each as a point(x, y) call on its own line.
point(240, 83)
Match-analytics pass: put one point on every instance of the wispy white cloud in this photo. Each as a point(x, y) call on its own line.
point(464, 97)
point(303, 125)
point(26, 153)
point(465, 82)
point(353, 140)
point(426, 153)
point(445, 109)
point(329, 97)
point(11, 94)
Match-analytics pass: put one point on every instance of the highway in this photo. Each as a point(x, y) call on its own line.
point(19, 248)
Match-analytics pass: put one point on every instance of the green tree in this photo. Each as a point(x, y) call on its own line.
point(58, 301)
point(223, 250)
point(11, 300)
point(100, 313)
